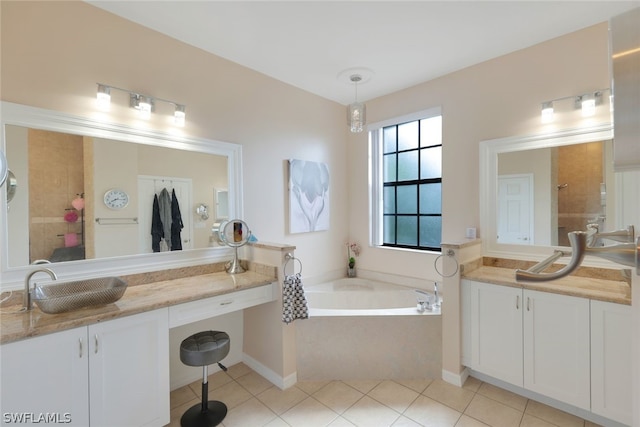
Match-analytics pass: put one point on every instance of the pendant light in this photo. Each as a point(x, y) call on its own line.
point(356, 111)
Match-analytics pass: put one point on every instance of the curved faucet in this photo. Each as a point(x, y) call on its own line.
point(594, 239)
point(625, 253)
point(27, 303)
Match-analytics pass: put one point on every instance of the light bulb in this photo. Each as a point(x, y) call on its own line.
point(103, 97)
point(547, 112)
point(179, 115)
point(588, 105)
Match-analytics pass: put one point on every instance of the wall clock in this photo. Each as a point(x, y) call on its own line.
point(116, 198)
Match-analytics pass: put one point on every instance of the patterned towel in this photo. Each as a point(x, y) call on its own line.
point(294, 303)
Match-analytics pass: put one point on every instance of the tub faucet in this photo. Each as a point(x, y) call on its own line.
point(27, 303)
point(435, 291)
point(424, 304)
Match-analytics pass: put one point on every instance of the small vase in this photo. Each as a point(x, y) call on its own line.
point(351, 272)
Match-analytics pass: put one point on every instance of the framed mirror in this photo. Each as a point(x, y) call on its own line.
point(75, 171)
point(535, 189)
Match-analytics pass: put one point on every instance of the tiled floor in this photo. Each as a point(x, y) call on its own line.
point(254, 401)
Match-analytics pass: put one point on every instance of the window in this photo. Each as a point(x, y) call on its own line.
point(406, 172)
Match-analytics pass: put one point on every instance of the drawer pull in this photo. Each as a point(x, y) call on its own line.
point(80, 342)
point(517, 302)
point(226, 302)
point(96, 342)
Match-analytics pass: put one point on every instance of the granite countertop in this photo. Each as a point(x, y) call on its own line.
point(585, 287)
point(16, 324)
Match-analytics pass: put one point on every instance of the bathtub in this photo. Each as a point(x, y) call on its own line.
point(363, 329)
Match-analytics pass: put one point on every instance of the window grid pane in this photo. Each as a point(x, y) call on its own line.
point(412, 193)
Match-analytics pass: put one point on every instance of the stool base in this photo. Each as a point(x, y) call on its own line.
point(195, 417)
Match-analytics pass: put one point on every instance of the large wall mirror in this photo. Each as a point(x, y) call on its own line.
point(536, 189)
point(88, 191)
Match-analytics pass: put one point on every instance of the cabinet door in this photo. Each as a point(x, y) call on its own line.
point(129, 371)
point(47, 377)
point(557, 347)
point(496, 331)
point(611, 339)
point(465, 307)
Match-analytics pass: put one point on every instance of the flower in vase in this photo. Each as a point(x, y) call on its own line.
point(353, 250)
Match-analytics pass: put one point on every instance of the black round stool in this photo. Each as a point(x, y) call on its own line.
point(204, 349)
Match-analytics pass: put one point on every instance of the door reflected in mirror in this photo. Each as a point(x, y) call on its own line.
point(545, 193)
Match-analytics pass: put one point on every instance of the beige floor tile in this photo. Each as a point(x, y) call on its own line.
point(251, 413)
point(311, 387)
point(448, 394)
point(309, 413)
point(503, 396)
point(276, 422)
point(492, 412)
point(238, 370)
point(393, 395)
point(280, 401)
point(180, 396)
point(467, 421)
point(403, 421)
point(254, 383)
point(590, 424)
point(341, 422)
point(552, 415)
point(231, 394)
point(472, 384)
point(363, 386)
point(427, 412)
point(531, 421)
point(215, 380)
point(415, 385)
point(176, 413)
point(338, 396)
point(368, 412)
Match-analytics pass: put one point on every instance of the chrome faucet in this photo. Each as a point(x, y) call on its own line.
point(26, 298)
point(595, 238)
point(435, 291)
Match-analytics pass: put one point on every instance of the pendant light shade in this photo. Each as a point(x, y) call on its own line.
point(356, 111)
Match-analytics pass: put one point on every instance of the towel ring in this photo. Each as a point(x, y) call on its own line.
point(290, 257)
point(450, 253)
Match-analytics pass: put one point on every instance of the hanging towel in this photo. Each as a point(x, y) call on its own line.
point(176, 223)
point(70, 240)
point(164, 201)
point(156, 226)
point(294, 303)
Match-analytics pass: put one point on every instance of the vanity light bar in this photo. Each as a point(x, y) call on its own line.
point(586, 102)
point(143, 103)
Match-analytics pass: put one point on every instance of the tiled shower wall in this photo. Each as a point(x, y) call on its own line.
point(56, 177)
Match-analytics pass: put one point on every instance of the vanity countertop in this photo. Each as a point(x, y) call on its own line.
point(16, 325)
point(585, 287)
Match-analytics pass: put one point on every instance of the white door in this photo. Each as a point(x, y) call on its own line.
point(515, 209)
point(557, 347)
point(148, 186)
point(496, 331)
point(129, 371)
point(46, 376)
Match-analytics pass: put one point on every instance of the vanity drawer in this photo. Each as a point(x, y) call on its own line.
point(194, 311)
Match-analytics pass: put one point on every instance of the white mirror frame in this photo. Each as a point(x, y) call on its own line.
point(21, 115)
point(489, 151)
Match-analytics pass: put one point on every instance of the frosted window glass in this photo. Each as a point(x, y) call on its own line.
point(389, 230)
point(389, 200)
point(407, 231)
point(408, 166)
point(431, 162)
point(389, 139)
point(431, 131)
point(408, 136)
point(430, 231)
point(431, 198)
point(407, 199)
point(389, 167)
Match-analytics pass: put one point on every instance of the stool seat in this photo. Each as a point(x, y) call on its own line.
point(204, 348)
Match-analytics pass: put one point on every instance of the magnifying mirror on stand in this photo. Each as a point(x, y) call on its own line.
point(234, 233)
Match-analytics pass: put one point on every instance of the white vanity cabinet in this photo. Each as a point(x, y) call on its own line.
point(556, 347)
point(113, 373)
point(535, 340)
point(611, 340)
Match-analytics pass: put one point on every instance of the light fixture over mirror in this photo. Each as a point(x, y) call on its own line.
point(111, 141)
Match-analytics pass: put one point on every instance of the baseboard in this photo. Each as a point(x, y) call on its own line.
point(281, 382)
point(455, 379)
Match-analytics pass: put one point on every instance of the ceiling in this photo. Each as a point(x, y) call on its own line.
point(393, 44)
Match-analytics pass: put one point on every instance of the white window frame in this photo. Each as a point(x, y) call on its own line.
point(376, 231)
